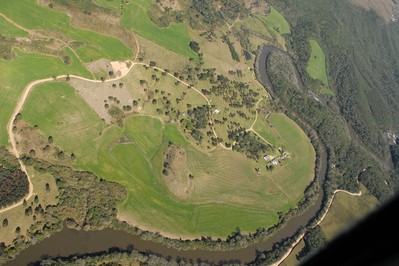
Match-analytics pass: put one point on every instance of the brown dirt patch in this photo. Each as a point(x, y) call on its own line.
point(103, 95)
point(257, 6)
point(388, 9)
point(175, 174)
point(102, 67)
point(32, 142)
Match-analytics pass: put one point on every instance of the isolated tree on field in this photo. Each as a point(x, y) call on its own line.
point(5, 222)
point(50, 139)
point(194, 46)
point(18, 230)
point(67, 60)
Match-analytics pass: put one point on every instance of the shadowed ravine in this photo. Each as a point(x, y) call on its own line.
point(69, 242)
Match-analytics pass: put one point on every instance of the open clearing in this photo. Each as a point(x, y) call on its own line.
point(175, 37)
point(278, 21)
point(317, 63)
point(347, 210)
point(226, 192)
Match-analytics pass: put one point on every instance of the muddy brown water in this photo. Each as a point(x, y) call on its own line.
point(70, 242)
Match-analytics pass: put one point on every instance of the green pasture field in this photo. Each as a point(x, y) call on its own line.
point(7, 29)
point(278, 21)
point(317, 63)
point(294, 174)
point(96, 46)
point(26, 67)
point(174, 37)
point(225, 182)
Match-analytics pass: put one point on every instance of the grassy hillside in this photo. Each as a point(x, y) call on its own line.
point(175, 37)
point(215, 204)
point(94, 46)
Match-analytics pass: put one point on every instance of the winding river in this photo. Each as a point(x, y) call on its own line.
point(69, 242)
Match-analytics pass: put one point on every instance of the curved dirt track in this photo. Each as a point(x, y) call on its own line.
point(358, 194)
point(22, 100)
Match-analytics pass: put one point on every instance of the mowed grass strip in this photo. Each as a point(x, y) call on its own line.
point(317, 63)
point(7, 29)
point(32, 16)
point(174, 37)
point(15, 74)
point(228, 193)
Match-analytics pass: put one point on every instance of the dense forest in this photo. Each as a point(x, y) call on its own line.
point(84, 202)
point(13, 182)
point(361, 69)
point(362, 62)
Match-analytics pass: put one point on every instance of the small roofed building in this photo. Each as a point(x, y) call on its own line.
point(275, 162)
point(268, 158)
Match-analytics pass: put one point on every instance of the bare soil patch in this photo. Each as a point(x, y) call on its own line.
point(257, 6)
point(388, 9)
point(103, 68)
point(103, 95)
point(176, 176)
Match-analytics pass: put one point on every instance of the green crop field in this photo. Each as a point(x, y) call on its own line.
point(218, 202)
point(7, 29)
point(26, 67)
point(174, 37)
point(346, 210)
point(317, 63)
point(95, 46)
